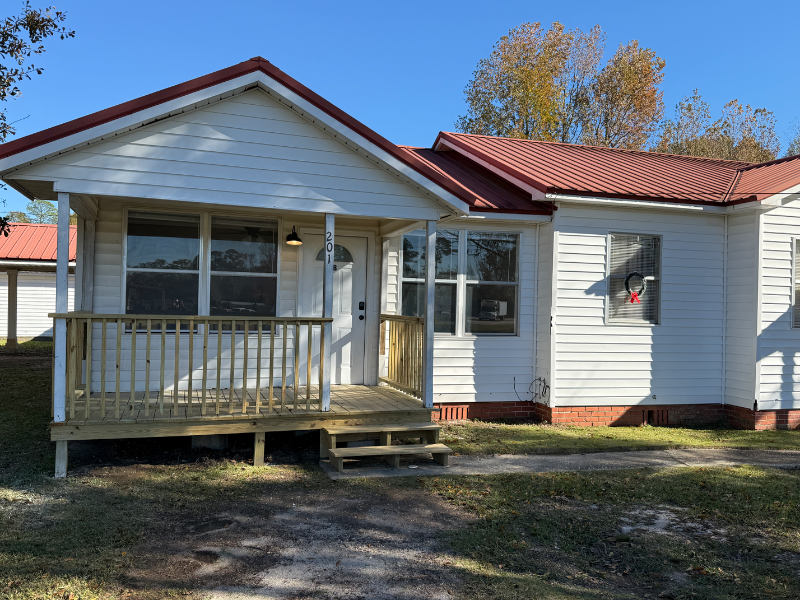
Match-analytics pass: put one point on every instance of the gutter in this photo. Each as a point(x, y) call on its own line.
point(32, 265)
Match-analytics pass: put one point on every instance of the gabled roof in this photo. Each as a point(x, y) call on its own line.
point(487, 192)
point(34, 242)
point(253, 65)
point(572, 169)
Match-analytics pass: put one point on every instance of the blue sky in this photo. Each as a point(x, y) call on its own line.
point(398, 67)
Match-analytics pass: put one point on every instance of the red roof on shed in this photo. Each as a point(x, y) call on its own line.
point(29, 241)
point(574, 169)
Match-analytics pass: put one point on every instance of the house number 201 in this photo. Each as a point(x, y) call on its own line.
point(329, 246)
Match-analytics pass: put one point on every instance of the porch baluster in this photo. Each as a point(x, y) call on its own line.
point(296, 349)
point(258, 370)
point(119, 361)
point(272, 326)
point(205, 367)
point(88, 409)
point(163, 360)
point(244, 367)
point(283, 364)
point(147, 370)
point(219, 360)
point(176, 374)
point(133, 363)
point(189, 390)
point(231, 393)
point(103, 371)
point(308, 365)
point(72, 368)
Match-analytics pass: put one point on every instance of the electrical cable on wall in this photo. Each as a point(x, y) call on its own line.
point(538, 389)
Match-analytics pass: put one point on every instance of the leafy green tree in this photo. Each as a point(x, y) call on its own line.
point(17, 216)
point(21, 37)
point(42, 211)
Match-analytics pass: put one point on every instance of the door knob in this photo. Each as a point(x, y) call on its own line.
point(360, 317)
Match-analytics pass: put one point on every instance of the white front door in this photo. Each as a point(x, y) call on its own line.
point(349, 308)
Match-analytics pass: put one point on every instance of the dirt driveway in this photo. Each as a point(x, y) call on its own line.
point(338, 542)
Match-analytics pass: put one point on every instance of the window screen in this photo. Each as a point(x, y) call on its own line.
point(637, 259)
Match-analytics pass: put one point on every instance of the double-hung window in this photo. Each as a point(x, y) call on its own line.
point(244, 267)
point(446, 278)
point(476, 281)
point(796, 282)
point(162, 264)
point(634, 278)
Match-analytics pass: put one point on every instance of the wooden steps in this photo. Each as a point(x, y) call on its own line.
point(440, 452)
point(428, 434)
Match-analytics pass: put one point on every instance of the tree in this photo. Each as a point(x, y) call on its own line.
point(42, 211)
point(546, 85)
point(21, 36)
point(794, 143)
point(741, 133)
point(17, 216)
point(626, 104)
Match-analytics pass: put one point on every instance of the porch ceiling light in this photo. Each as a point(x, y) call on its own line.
point(293, 239)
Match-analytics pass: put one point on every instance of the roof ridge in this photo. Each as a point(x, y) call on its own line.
point(769, 163)
point(725, 162)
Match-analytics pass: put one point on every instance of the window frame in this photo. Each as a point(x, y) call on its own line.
point(607, 312)
point(204, 284)
point(461, 282)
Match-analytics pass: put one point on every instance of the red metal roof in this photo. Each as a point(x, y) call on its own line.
point(574, 169)
point(28, 241)
point(249, 66)
point(487, 192)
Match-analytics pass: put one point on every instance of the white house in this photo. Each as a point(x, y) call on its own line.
point(28, 281)
point(242, 238)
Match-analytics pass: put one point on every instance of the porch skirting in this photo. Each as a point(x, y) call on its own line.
point(656, 415)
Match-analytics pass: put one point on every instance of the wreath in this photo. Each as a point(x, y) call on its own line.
point(635, 295)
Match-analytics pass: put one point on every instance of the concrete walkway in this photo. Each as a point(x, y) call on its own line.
point(598, 461)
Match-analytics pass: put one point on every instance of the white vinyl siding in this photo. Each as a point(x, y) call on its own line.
point(779, 342)
point(248, 150)
point(742, 290)
point(485, 368)
point(680, 360)
point(36, 298)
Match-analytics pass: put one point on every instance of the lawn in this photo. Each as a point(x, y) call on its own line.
point(670, 533)
point(495, 438)
point(128, 520)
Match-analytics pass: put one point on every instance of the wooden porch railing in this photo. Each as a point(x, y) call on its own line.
point(190, 336)
point(404, 365)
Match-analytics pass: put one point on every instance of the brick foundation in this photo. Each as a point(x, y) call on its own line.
point(680, 414)
point(484, 410)
point(746, 418)
point(588, 416)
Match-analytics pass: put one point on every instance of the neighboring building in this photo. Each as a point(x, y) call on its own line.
point(28, 281)
point(580, 284)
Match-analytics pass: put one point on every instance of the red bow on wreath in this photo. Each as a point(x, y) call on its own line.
point(635, 296)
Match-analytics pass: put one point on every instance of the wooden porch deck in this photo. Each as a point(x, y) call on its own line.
point(350, 405)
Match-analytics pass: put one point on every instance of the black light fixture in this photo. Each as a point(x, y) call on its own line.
point(293, 239)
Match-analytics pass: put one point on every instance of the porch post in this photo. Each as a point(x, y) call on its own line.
point(87, 257)
point(327, 312)
point(430, 283)
point(11, 333)
point(60, 330)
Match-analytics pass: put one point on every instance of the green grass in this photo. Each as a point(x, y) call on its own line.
point(493, 438)
point(29, 348)
point(731, 533)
